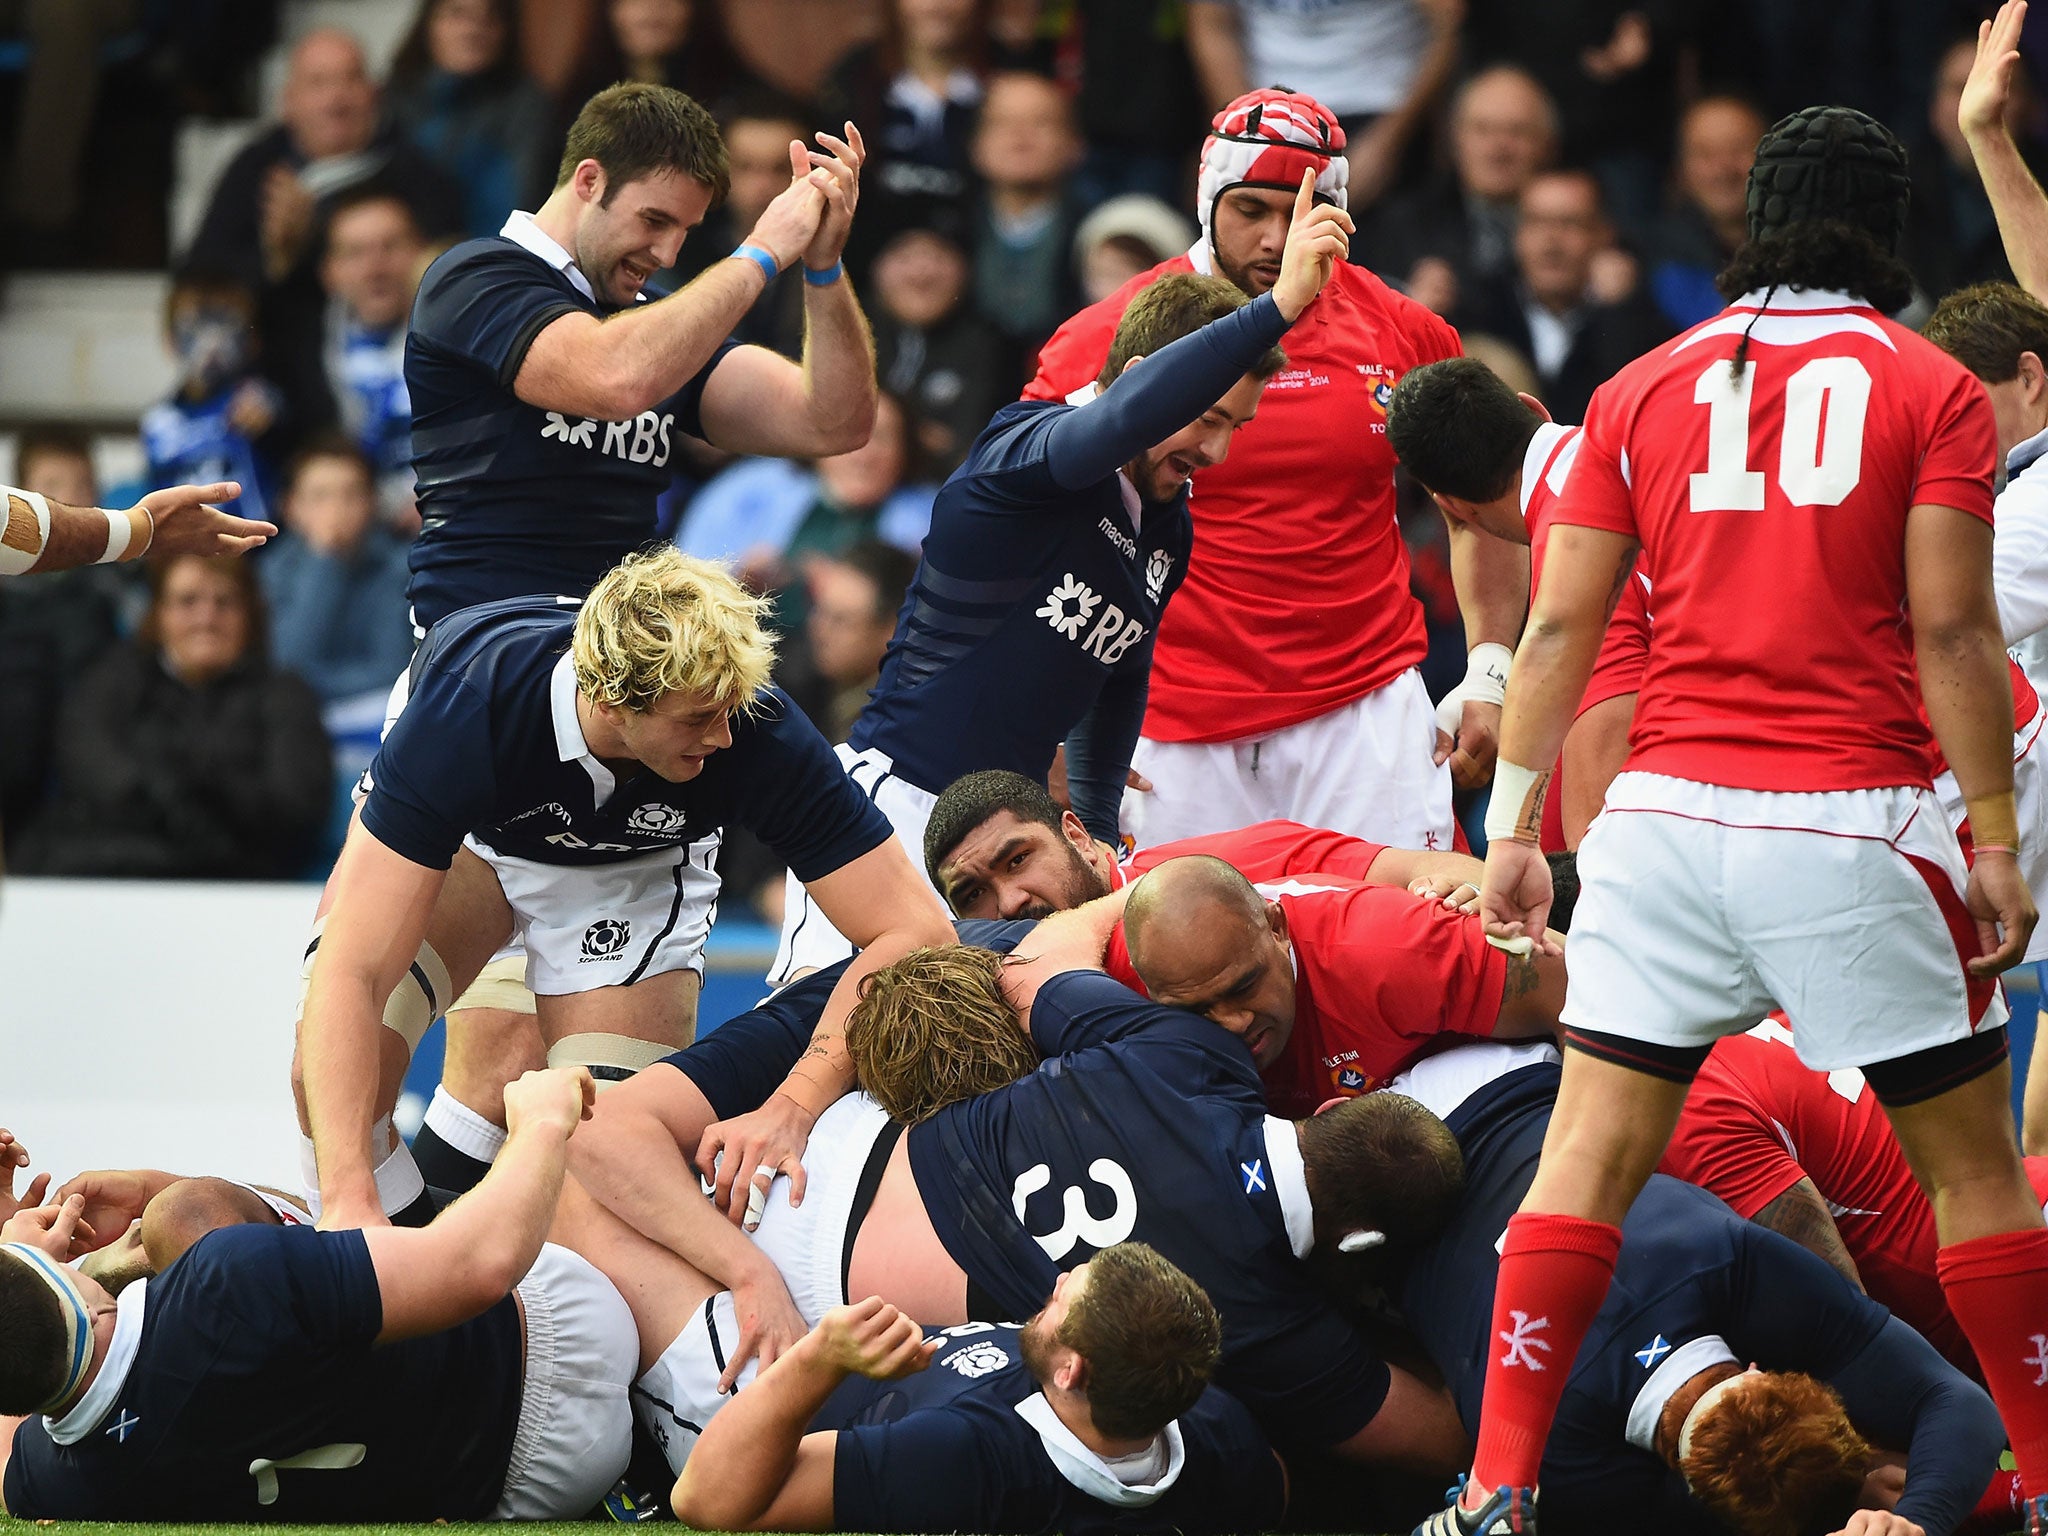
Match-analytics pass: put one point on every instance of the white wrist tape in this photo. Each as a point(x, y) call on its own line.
point(118, 530)
point(1486, 682)
point(24, 531)
point(1516, 809)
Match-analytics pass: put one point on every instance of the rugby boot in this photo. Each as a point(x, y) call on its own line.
point(1510, 1512)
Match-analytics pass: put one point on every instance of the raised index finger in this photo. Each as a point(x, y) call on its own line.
point(1305, 199)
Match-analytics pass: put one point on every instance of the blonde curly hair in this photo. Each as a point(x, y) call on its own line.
point(662, 622)
point(935, 1028)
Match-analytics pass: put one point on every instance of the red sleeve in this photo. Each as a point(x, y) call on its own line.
point(1596, 494)
point(1389, 971)
point(1435, 337)
point(1271, 850)
point(1726, 1145)
point(1624, 650)
point(1074, 354)
point(1962, 452)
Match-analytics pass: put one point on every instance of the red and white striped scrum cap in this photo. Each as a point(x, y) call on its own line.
point(1267, 138)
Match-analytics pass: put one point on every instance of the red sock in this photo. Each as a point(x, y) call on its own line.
point(1998, 1511)
point(1554, 1273)
point(1997, 1287)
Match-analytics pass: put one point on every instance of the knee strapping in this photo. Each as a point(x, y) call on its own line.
point(611, 1058)
point(422, 995)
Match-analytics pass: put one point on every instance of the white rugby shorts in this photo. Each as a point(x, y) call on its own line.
point(575, 1423)
point(1702, 907)
point(1364, 768)
point(809, 942)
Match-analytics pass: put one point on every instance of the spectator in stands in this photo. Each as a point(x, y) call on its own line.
point(1141, 114)
point(915, 92)
point(1025, 151)
point(335, 583)
point(1551, 311)
point(766, 515)
point(263, 220)
point(217, 425)
point(1457, 233)
point(346, 371)
point(1951, 235)
point(60, 87)
point(950, 366)
point(187, 756)
point(1708, 219)
point(758, 131)
point(1123, 237)
point(458, 92)
point(51, 629)
point(1380, 65)
point(681, 43)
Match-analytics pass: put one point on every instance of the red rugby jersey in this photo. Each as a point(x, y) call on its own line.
point(1296, 599)
point(1771, 510)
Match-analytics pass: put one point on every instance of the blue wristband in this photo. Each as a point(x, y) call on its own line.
point(824, 277)
point(760, 258)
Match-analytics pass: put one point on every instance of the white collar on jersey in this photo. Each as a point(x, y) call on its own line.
point(87, 1412)
point(1678, 1367)
point(1290, 1184)
point(1086, 1470)
point(2025, 454)
point(1200, 259)
point(1541, 446)
point(522, 231)
point(1784, 298)
point(569, 743)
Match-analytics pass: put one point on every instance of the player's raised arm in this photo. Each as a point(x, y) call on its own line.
point(2016, 197)
point(472, 1254)
point(38, 535)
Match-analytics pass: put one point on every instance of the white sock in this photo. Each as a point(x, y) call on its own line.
point(309, 1175)
point(398, 1177)
point(463, 1128)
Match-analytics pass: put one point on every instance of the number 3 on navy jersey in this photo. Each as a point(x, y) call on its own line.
point(1820, 448)
point(1079, 1226)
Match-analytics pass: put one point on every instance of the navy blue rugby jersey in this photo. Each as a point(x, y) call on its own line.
point(513, 498)
point(1689, 1269)
point(243, 1384)
point(1148, 1123)
point(489, 744)
point(970, 1444)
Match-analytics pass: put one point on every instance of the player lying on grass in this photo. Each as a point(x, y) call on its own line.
point(463, 1371)
point(1730, 1380)
point(1154, 1129)
point(598, 751)
point(1095, 1415)
point(998, 845)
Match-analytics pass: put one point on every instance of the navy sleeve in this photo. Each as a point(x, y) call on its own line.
point(688, 402)
point(738, 1064)
point(1902, 1395)
point(1083, 1008)
point(1161, 395)
point(1099, 747)
point(795, 795)
point(486, 302)
point(924, 1472)
point(290, 1284)
point(1231, 1480)
point(432, 779)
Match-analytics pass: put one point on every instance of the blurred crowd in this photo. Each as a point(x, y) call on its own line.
point(1561, 181)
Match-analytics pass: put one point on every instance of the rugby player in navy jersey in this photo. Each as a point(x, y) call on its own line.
point(460, 1372)
point(1095, 1416)
point(596, 751)
point(1153, 1128)
point(1730, 1380)
point(1052, 552)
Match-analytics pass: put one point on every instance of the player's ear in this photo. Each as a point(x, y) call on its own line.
point(1075, 833)
point(1131, 363)
point(1536, 407)
point(2033, 375)
point(588, 180)
point(1276, 919)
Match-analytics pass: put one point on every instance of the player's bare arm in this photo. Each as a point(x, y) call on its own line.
point(615, 367)
point(1533, 994)
point(1967, 689)
point(1417, 1428)
point(755, 1468)
point(1491, 577)
point(1802, 1215)
point(2016, 197)
point(885, 909)
point(1586, 568)
point(39, 535)
point(1075, 940)
point(438, 1276)
point(382, 903)
point(633, 1159)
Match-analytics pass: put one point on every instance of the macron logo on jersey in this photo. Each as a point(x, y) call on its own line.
point(1069, 607)
point(642, 439)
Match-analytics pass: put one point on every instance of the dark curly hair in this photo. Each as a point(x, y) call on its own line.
point(1824, 254)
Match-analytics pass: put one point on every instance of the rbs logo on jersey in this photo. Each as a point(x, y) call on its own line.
point(643, 439)
point(1068, 608)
